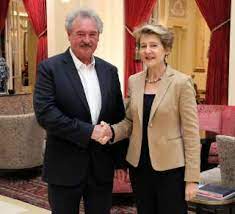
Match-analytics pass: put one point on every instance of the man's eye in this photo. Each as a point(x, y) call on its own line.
point(93, 35)
point(80, 34)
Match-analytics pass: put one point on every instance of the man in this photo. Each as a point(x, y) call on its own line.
point(74, 92)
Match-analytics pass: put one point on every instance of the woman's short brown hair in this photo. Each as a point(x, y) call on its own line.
point(164, 34)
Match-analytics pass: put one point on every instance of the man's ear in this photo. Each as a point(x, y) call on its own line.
point(68, 35)
point(68, 32)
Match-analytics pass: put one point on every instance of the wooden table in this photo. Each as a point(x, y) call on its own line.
point(204, 205)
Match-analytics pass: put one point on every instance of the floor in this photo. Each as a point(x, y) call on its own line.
point(12, 206)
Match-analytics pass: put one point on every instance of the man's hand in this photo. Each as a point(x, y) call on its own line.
point(190, 190)
point(108, 133)
point(102, 133)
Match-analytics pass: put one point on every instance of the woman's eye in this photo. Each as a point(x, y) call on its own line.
point(154, 45)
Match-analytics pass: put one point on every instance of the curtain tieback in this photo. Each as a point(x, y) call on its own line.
point(129, 31)
point(220, 25)
point(215, 29)
point(42, 33)
point(136, 54)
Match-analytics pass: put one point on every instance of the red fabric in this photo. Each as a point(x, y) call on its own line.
point(3, 13)
point(213, 159)
point(36, 10)
point(136, 13)
point(215, 13)
point(121, 187)
point(213, 149)
point(228, 121)
point(217, 118)
point(210, 117)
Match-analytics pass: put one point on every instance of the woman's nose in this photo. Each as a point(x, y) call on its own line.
point(148, 49)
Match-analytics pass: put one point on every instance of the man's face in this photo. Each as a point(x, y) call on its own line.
point(83, 37)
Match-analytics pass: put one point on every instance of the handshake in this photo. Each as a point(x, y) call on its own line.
point(102, 133)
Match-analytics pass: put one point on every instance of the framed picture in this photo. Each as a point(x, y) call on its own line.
point(177, 8)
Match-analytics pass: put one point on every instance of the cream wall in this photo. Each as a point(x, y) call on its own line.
point(111, 44)
point(189, 53)
point(231, 99)
point(183, 54)
point(56, 13)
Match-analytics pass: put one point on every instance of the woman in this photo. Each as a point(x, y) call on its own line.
point(161, 120)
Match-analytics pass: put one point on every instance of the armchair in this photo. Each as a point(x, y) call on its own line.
point(21, 138)
point(225, 173)
point(226, 149)
point(21, 142)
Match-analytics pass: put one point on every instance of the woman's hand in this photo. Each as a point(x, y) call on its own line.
point(190, 190)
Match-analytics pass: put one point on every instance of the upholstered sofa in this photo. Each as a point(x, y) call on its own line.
point(216, 120)
point(21, 138)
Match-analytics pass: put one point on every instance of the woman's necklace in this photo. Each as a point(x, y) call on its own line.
point(152, 81)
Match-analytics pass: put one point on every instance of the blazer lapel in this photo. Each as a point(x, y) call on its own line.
point(103, 87)
point(140, 95)
point(161, 91)
point(74, 78)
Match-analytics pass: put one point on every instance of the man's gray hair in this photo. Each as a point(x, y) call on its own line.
point(83, 13)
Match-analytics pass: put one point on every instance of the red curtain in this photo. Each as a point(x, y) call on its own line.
point(36, 10)
point(136, 13)
point(217, 16)
point(3, 13)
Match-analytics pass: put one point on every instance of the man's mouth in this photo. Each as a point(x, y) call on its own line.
point(85, 45)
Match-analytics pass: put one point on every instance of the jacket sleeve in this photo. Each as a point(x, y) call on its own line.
point(190, 131)
point(123, 129)
point(119, 150)
point(49, 116)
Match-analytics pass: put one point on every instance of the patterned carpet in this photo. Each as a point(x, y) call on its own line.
point(34, 191)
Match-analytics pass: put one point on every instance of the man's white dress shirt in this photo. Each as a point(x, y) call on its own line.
point(91, 86)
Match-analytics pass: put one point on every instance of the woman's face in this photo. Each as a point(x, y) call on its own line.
point(152, 52)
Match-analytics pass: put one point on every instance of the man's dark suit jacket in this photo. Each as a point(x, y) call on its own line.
point(62, 110)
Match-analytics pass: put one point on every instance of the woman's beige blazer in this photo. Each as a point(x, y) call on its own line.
point(173, 132)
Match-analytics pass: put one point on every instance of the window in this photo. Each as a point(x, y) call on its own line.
point(18, 47)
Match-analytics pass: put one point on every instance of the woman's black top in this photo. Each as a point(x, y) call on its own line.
point(144, 156)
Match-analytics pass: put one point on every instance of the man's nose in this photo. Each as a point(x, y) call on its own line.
point(86, 38)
